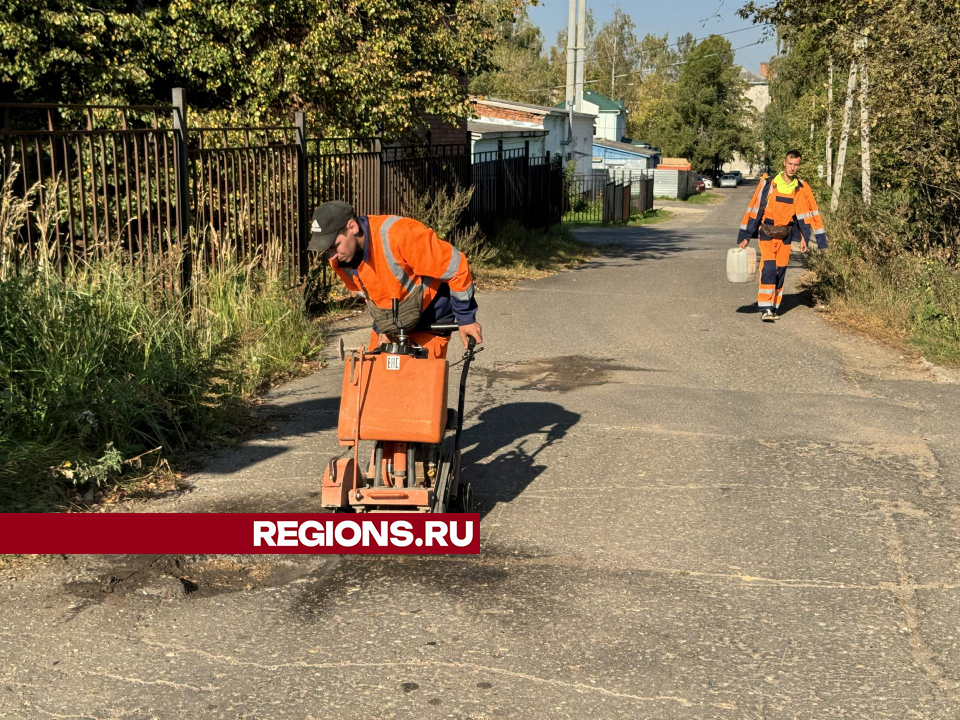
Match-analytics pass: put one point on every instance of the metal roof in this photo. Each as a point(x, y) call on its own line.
point(486, 128)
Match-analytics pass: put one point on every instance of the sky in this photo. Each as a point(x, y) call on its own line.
point(676, 17)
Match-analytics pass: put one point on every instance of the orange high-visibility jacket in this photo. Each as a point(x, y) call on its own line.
point(773, 207)
point(400, 253)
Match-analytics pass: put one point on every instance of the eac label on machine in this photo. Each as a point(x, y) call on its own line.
point(393, 362)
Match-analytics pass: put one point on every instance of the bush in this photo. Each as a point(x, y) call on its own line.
point(442, 212)
point(872, 276)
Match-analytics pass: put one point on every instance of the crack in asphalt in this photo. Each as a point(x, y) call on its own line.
point(347, 664)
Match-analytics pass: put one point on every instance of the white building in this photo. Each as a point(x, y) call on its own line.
point(546, 129)
point(611, 116)
point(758, 93)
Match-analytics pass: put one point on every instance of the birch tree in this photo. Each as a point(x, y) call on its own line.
point(864, 122)
point(844, 135)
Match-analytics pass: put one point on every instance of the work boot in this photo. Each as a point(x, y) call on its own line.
point(768, 315)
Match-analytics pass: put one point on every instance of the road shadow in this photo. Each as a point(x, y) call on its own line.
point(626, 246)
point(791, 301)
point(527, 429)
point(287, 423)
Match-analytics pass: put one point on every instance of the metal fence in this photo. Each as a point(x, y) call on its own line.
point(510, 185)
point(246, 194)
point(104, 179)
point(600, 198)
point(140, 182)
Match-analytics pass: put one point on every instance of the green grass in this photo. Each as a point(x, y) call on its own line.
point(104, 362)
point(650, 217)
point(910, 299)
point(708, 197)
point(517, 253)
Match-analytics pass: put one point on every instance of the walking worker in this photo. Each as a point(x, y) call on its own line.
point(383, 257)
point(782, 210)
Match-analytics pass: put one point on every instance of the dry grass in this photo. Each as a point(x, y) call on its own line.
point(906, 299)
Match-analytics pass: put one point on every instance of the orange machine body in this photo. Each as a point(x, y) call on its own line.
point(399, 398)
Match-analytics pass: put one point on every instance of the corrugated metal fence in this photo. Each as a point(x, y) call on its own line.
point(603, 198)
point(674, 183)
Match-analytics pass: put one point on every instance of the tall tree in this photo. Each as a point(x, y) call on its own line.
point(357, 66)
point(914, 106)
point(616, 53)
point(521, 71)
point(654, 81)
point(705, 121)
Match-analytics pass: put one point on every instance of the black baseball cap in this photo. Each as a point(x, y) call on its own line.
point(328, 220)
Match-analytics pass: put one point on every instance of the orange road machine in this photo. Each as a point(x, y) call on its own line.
point(396, 396)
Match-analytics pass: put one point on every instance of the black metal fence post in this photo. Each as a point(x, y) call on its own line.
point(527, 210)
point(183, 194)
point(501, 182)
point(303, 194)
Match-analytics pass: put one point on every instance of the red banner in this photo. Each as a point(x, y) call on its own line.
point(239, 533)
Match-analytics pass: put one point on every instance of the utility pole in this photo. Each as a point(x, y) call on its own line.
point(571, 50)
point(581, 51)
point(571, 61)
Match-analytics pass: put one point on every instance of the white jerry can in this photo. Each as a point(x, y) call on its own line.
point(741, 264)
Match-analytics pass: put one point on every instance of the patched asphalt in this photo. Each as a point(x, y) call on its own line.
point(687, 513)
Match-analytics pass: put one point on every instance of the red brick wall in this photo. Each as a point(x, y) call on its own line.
point(507, 113)
point(444, 133)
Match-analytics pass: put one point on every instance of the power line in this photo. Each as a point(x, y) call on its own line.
point(684, 62)
point(659, 67)
point(695, 40)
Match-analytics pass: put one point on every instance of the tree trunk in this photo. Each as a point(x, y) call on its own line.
point(830, 124)
point(613, 68)
point(844, 135)
point(864, 124)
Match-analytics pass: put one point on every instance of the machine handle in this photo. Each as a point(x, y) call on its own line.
point(444, 327)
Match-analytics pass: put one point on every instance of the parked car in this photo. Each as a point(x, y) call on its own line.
point(707, 182)
point(700, 186)
point(728, 180)
point(737, 174)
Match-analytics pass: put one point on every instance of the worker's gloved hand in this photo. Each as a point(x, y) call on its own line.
point(744, 243)
point(472, 330)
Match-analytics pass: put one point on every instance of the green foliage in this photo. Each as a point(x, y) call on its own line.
point(356, 66)
point(706, 117)
point(443, 213)
point(519, 65)
point(914, 105)
point(615, 51)
point(653, 95)
point(879, 286)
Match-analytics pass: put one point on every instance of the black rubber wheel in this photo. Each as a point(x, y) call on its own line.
point(464, 501)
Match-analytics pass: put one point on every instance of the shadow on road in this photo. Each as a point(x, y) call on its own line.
point(527, 429)
point(296, 419)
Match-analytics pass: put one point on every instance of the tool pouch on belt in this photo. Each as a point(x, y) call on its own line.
point(775, 232)
point(409, 313)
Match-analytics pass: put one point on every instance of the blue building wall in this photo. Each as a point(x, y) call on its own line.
point(614, 159)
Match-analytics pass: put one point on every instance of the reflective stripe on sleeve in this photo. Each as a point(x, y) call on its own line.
point(398, 272)
point(462, 294)
point(452, 268)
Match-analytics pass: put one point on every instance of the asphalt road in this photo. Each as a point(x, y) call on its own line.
point(687, 514)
